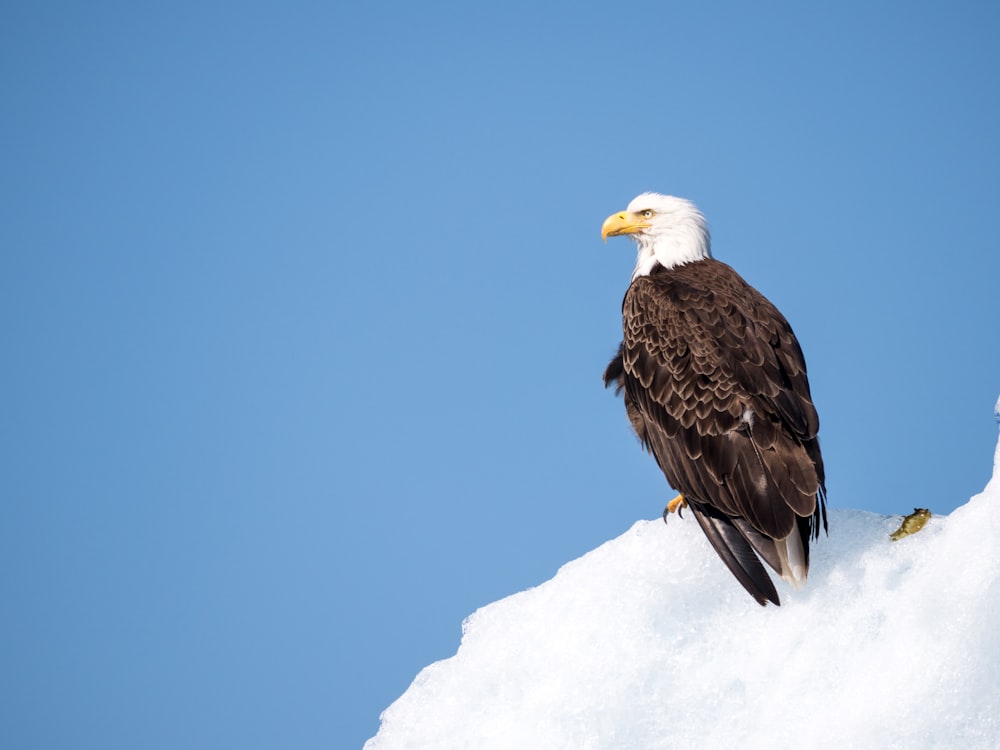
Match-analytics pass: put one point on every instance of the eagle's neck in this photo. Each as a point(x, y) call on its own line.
point(683, 240)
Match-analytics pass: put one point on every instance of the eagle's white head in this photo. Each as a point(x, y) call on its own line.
point(669, 231)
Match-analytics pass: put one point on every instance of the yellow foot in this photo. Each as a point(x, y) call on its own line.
point(674, 506)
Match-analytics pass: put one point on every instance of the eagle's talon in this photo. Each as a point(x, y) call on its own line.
point(675, 506)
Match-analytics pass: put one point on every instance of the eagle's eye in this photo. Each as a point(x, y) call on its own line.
point(647, 214)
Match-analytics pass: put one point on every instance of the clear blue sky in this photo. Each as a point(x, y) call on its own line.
point(304, 310)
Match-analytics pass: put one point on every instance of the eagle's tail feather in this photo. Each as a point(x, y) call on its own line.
point(789, 557)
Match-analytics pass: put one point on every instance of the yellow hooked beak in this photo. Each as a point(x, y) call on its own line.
point(622, 222)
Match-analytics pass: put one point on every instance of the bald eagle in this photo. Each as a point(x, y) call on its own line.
point(715, 386)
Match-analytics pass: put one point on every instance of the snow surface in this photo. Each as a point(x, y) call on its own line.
point(648, 642)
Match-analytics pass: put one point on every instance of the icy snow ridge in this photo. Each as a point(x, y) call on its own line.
point(648, 642)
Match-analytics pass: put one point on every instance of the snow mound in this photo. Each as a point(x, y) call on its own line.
point(648, 642)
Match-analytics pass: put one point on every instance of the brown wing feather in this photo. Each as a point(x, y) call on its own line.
point(737, 553)
point(715, 386)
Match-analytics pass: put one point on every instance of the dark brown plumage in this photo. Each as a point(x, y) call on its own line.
point(715, 386)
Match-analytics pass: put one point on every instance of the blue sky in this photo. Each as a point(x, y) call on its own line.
point(304, 310)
